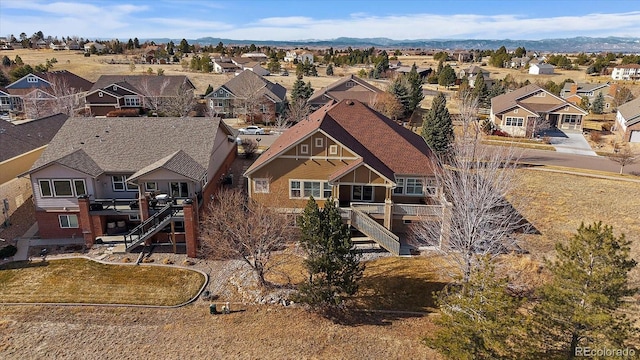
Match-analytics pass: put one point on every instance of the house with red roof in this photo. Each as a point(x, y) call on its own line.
point(349, 87)
point(382, 175)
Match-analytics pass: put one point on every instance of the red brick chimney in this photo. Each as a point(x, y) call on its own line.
point(85, 221)
point(190, 210)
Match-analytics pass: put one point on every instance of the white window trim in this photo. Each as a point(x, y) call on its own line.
point(302, 182)
point(147, 188)
point(53, 187)
point(32, 79)
point(319, 142)
point(134, 217)
point(40, 181)
point(68, 221)
point(263, 188)
point(333, 149)
point(179, 189)
point(99, 93)
point(403, 185)
point(373, 193)
point(304, 149)
point(127, 186)
point(509, 121)
point(84, 184)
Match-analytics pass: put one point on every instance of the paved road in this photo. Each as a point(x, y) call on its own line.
point(544, 157)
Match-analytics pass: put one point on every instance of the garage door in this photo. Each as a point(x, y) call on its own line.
point(635, 136)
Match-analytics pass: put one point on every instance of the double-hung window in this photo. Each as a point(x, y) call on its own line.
point(362, 193)
point(119, 183)
point(261, 186)
point(306, 188)
point(68, 221)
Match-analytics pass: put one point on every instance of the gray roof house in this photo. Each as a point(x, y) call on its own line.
point(628, 121)
point(115, 162)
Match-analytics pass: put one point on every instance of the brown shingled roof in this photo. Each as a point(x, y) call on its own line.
point(383, 145)
point(342, 95)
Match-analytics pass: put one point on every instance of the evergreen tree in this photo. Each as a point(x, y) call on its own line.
point(399, 90)
point(184, 46)
point(18, 60)
point(299, 70)
point(330, 70)
point(209, 90)
point(4, 80)
point(334, 268)
point(313, 71)
point(273, 65)
point(136, 43)
point(447, 76)
point(415, 89)
point(480, 91)
point(584, 103)
point(495, 90)
point(478, 319)
point(301, 90)
point(437, 127)
point(598, 104)
point(6, 61)
point(579, 306)
point(130, 45)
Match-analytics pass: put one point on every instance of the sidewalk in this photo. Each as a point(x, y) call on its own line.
point(27, 241)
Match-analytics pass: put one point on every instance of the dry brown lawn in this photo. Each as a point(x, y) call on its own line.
point(86, 281)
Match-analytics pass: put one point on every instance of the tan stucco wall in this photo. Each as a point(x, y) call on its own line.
point(10, 169)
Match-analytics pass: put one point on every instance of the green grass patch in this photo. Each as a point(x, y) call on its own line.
point(86, 281)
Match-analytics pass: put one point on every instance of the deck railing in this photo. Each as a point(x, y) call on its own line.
point(375, 231)
point(150, 226)
point(417, 210)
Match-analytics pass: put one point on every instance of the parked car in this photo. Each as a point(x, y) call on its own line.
point(252, 130)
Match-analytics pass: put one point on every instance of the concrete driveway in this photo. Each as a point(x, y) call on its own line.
point(569, 142)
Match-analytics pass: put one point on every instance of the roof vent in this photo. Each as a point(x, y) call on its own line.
point(350, 102)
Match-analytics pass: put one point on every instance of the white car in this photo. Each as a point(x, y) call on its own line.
point(252, 130)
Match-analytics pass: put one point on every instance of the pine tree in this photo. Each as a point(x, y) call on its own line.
point(437, 127)
point(301, 90)
point(447, 76)
point(400, 91)
point(330, 70)
point(478, 320)
point(209, 90)
point(579, 306)
point(480, 90)
point(598, 104)
point(334, 268)
point(415, 89)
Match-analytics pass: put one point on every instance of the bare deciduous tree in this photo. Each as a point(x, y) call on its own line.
point(388, 105)
point(298, 110)
point(478, 221)
point(250, 96)
point(38, 104)
point(153, 95)
point(180, 103)
point(235, 227)
point(624, 156)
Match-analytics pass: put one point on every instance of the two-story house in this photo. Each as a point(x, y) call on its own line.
point(628, 121)
point(381, 174)
point(301, 56)
point(138, 93)
point(248, 94)
point(131, 176)
point(520, 112)
point(349, 87)
point(626, 72)
point(574, 92)
point(472, 72)
point(38, 93)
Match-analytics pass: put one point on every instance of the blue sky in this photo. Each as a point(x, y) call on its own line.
point(327, 19)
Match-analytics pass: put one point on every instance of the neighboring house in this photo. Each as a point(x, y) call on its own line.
point(140, 93)
point(73, 45)
point(461, 55)
point(394, 64)
point(59, 46)
point(626, 72)
point(349, 87)
point(423, 72)
point(541, 69)
point(42, 87)
point(299, 55)
point(628, 121)
point(472, 72)
point(381, 174)
point(99, 47)
point(221, 66)
point(249, 92)
point(574, 92)
point(8, 102)
point(255, 56)
point(144, 178)
point(20, 146)
point(521, 112)
point(518, 62)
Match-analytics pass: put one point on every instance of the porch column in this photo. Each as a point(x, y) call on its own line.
point(388, 209)
point(143, 203)
point(85, 221)
point(190, 227)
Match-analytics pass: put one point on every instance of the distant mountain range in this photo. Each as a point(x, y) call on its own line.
point(576, 44)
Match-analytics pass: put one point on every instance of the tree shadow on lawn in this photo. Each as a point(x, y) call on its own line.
point(385, 297)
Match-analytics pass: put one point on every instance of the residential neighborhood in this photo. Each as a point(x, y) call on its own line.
point(264, 181)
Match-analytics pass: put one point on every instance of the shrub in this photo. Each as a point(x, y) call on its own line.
point(147, 260)
point(498, 132)
point(595, 136)
point(250, 147)
point(188, 263)
point(126, 260)
point(167, 261)
point(124, 113)
point(8, 251)
point(606, 127)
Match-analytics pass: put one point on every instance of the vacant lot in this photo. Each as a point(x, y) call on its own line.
point(85, 281)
